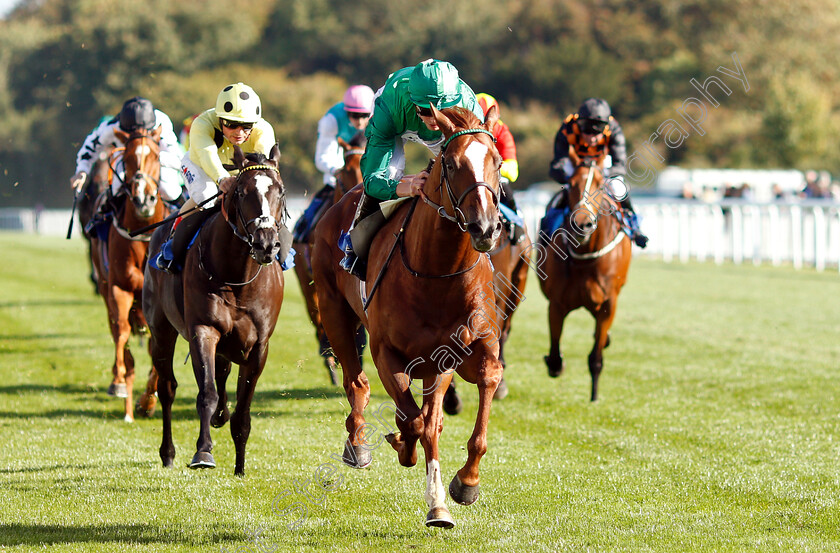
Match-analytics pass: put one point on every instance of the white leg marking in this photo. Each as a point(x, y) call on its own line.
point(435, 493)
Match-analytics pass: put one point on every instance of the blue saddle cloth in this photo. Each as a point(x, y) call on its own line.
point(510, 215)
point(166, 253)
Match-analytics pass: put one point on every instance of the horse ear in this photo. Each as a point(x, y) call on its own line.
point(274, 155)
point(157, 132)
point(443, 122)
point(344, 145)
point(238, 157)
point(574, 157)
point(491, 118)
point(121, 135)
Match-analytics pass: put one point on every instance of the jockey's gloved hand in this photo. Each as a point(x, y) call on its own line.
point(78, 180)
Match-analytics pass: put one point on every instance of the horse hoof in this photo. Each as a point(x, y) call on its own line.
point(146, 407)
point(465, 495)
point(203, 460)
point(356, 456)
point(219, 418)
point(501, 390)
point(393, 438)
point(128, 418)
point(555, 369)
point(168, 463)
point(452, 404)
point(117, 390)
point(440, 518)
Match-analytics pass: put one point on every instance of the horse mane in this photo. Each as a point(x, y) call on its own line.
point(462, 117)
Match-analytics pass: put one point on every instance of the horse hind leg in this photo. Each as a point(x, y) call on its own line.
point(340, 324)
point(408, 416)
point(161, 349)
point(222, 414)
point(326, 352)
point(147, 402)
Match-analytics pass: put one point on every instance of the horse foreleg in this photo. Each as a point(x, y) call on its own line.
point(435, 495)
point(603, 321)
point(240, 421)
point(120, 305)
point(464, 486)
point(203, 352)
point(222, 414)
point(554, 360)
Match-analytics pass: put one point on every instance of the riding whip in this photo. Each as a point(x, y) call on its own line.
point(73, 212)
point(171, 217)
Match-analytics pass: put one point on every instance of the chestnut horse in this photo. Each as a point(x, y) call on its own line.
point(509, 278)
point(120, 260)
point(225, 303)
point(346, 178)
point(586, 264)
point(431, 304)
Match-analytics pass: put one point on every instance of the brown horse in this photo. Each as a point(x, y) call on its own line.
point(346, 178)
point(120, 260)
point(431, 313)
point(225, 303)
point(586, 264)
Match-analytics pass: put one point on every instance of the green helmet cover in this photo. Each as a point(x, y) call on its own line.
point(434, 82)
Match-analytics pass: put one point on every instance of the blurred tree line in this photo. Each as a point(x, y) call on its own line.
point(66, 63)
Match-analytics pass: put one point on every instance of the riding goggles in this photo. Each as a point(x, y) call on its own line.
point(592, 126)
point(235, 124)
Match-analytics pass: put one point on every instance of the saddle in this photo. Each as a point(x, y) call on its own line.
point(107, 207)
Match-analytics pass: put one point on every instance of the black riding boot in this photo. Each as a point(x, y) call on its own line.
point(181, 237)
point(633, 221)
point(356, 242)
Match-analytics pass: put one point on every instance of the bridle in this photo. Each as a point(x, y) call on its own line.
point(459, 218)
point(589, 177)
point(259, 222)
point(588, 256)
point(138, 175)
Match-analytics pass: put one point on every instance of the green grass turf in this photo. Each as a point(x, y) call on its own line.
point(715, 430)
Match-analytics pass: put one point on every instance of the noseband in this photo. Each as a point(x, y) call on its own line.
point(138, 175)
point(258, 222)
point(459, 218)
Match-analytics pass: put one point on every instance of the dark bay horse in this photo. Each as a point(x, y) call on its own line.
point(97, 183)
point(119, 261)
point(225, 303)
point(586, 264)
point(346, 178)
point(432, 311)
